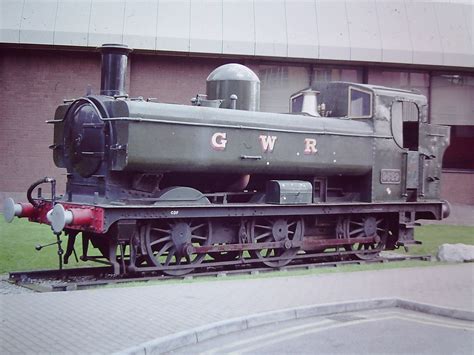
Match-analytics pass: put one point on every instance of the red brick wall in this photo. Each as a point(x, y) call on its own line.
point(170, 79)
point(32, 84)
point(458, 187)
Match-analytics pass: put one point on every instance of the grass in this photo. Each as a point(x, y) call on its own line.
point(432, 236)
point(18, 240)
point(17, 247)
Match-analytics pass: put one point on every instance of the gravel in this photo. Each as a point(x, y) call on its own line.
point(7, 288)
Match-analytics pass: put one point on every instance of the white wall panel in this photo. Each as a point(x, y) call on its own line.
point(302, 29)
point(455, 39)
point(72, 22)
point(173, 25)
point(469, 16)
point(238, 32)
point(139, 29)
point(106, 23)
point(394, 30)
point(38, 19)
point(206, 26)
point(436, 33)
point(364, 32)
point(333, 30)
point(10, 18)
point(270, 28)
point(424, 33)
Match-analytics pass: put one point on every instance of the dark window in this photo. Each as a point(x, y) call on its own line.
point(459, 154)
point(410, 125)
point(297, 103)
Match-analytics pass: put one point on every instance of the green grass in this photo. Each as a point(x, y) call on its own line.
point(18, 240)
point(433, 236)
point(17, 247)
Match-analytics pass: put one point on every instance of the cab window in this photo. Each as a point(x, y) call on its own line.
point(360, 103)
point(296, 103)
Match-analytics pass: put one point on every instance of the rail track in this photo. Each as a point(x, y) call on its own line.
point(54, 280)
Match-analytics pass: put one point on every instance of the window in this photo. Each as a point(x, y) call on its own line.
point(401, 80)
point(297, 103)
point(360, 103)
point(278, 83)
point(452, 99)
point(322, 74)
point(404, 123)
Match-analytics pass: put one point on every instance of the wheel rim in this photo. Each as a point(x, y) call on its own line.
point(166, 243)
point(276, 230)
point(366, 227)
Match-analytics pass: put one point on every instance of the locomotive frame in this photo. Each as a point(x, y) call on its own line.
point(351, 175)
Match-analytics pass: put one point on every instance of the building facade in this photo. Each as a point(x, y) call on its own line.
point(48, 54)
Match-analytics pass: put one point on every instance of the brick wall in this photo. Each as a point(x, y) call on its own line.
point(458, 187)
point(170, 79)
point(33, 83)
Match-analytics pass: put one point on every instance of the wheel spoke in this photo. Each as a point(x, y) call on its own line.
point(263, 235)
point(164, 239)
point(169, 257)
point(165, 231)
point(198, 237)
point(352, 232)
point(197, 227)
point(263, 226)
point(164, 248)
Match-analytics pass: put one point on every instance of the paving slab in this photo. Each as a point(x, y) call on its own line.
point(114, 319)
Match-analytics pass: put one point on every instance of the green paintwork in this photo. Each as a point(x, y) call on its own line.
point(178, 138)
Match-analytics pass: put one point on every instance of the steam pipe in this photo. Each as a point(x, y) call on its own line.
point(113, 69)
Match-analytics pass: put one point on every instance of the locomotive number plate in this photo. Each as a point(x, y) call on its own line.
point(390, 176)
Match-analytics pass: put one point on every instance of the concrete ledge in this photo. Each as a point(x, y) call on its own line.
point(196, 335)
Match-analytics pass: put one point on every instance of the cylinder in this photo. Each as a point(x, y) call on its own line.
point(113, 69)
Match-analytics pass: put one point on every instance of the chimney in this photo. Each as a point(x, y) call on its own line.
point(113, 69)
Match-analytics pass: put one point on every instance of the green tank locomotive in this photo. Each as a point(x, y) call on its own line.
point(158, 186)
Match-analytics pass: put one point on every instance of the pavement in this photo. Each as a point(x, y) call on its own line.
point(377, 331)
point(116, 319)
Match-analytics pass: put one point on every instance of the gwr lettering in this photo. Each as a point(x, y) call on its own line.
point(268, 143)
point(219, 140)
point(310, 146)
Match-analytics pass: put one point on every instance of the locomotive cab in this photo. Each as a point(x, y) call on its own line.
point(400, 124)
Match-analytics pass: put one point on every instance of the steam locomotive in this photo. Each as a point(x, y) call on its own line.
point(171, 188)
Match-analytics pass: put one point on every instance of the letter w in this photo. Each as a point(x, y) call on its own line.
point(268, 143)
